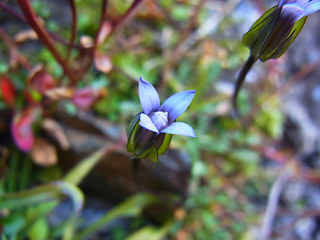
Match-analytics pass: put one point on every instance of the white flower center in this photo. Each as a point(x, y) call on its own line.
point(160, 119)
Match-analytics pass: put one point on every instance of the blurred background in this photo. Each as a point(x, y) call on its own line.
point(64, 169)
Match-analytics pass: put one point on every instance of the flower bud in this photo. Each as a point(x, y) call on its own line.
point(145, 143)
point(272, 34)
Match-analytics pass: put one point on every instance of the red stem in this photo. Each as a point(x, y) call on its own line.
point(92, 50)
point(44, 36)
point(102, 18)
point(18, 16)
point(129, 12)
point(73, 27)
point(13, 52)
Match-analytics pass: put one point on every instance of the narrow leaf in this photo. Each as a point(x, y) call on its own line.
point(79, 172)
point(41, 194)
point(151, 233)
point(132, 207)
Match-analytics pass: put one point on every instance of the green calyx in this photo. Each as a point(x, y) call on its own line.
point(144, 143)
point(272, 34)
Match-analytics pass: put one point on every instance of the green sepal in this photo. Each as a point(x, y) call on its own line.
point(260, 30)
point(131, 130)
point(297, 27)
point(165, 145)
point(151, 154)
point(132, 124)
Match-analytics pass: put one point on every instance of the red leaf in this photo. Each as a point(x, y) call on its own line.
point(21, 130)
point(8, 90)
point(86, 97)
point(40, 80)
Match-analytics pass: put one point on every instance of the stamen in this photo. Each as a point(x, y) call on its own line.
point(160, 119)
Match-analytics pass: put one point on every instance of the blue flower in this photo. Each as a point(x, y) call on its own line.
point(299, 8)
point(150, 132)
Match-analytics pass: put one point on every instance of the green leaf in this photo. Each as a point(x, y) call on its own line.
point(4, 67)
point(14, 223)
point(246, 155)
point(41, 194)
point(34, 213)
point(151, 233)
point(73, 192)
point(80, 171)
point(199, 169)
point(39, 230)
point(130, 208)
point(260, 30)
point(36, 96)
point(50, 192)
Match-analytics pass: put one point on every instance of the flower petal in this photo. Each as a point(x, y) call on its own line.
point(180, 128)
point(177, 104)
point(149, 97)
point(282, 2)
point(301, 3)
point(146, 123)
point(293, 10)
point(311, 8)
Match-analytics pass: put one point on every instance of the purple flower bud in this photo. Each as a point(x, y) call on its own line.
point(149, 133)
point(272, 34)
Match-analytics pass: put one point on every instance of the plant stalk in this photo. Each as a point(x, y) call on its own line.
point(240, 80)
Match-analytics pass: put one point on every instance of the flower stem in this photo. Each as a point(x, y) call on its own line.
point(135, 168)
point(240, 80)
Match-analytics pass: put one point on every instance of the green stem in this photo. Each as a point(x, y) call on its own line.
point(13, 171)
point(135, 168)
point(25, 174)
